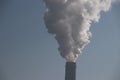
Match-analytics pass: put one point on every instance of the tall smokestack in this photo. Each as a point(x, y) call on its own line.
point(70, 71)
point(69, 21)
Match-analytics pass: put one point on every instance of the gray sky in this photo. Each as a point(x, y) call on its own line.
point(28, 52)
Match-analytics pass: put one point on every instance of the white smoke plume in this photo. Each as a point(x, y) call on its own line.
point(70, 20)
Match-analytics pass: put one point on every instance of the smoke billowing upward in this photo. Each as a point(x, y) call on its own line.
point(70, 20)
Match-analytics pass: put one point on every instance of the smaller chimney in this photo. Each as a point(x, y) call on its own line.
point(70, 71)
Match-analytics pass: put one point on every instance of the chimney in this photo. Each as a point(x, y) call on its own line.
point(70, 71)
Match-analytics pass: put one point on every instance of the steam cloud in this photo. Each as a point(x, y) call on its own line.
point(70, 20)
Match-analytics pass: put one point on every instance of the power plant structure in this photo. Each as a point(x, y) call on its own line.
point(70, 71)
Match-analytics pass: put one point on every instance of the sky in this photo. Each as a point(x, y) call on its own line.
point(28, 52)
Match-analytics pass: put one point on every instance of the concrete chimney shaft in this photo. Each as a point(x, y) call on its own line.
point(70, 71)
